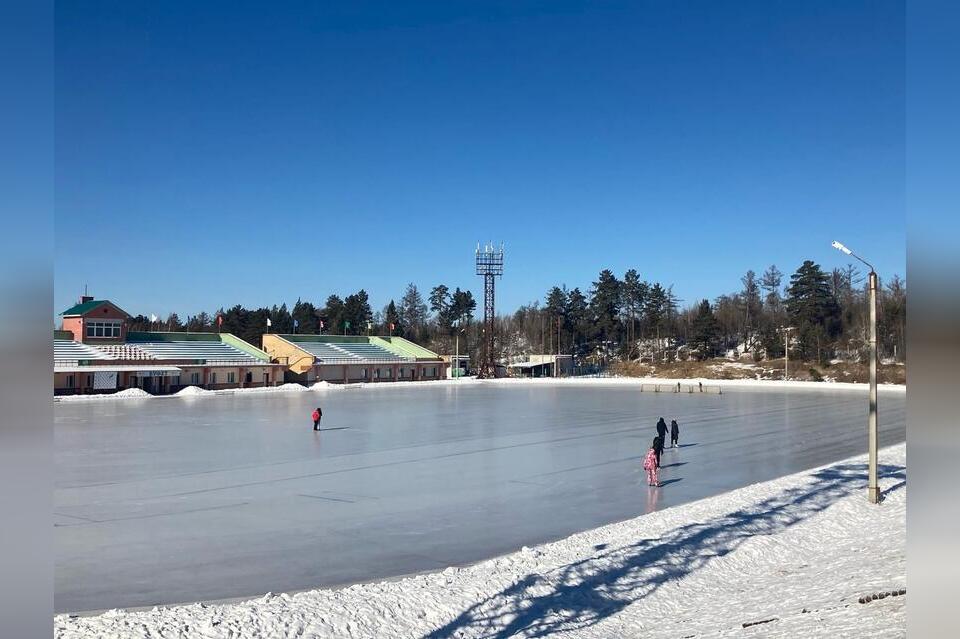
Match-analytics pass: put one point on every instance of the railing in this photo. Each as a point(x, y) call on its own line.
point(679, 387)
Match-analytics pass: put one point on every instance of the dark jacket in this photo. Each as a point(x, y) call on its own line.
point(662, 428)
point(674, 429)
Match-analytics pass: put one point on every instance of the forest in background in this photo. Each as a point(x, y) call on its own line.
point(625, 319)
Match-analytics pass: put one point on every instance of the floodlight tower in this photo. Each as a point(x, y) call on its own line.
point(490, 266)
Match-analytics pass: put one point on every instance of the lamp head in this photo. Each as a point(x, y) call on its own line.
point(840, 247)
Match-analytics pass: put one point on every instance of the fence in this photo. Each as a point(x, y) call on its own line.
point(679, 387)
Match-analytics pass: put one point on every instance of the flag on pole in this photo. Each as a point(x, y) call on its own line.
point(391, 326)
point(219, 321)
point(153, 317)
point(268, 322)
point(321, 324)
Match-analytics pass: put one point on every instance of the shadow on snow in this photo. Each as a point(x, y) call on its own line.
point(585, 592)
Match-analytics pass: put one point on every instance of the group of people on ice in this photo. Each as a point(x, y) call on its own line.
point(651, 463)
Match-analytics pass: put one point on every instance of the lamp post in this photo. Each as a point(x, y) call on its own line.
point(456, 357)
point(873, 490)
point(786, 350)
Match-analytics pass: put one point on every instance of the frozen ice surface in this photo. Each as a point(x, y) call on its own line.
point(188, 499)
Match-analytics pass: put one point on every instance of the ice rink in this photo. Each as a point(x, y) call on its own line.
point(172, 500)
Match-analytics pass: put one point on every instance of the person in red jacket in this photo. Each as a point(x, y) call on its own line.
point(317, 414)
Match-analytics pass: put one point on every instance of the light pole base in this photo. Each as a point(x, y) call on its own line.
point(873, 495)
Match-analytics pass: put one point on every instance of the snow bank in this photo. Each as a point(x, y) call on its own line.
point(129, 393)
point(192, 391)
point(464, 381)
point(780, 558)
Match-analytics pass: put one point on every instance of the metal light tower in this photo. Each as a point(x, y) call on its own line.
point(490, 266)
point(873, 488)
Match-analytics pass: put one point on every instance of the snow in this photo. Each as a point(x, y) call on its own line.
point(129, 393)
point(780, 558)
point(193, 391)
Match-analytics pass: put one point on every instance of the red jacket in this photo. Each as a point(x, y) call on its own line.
point(316, 415)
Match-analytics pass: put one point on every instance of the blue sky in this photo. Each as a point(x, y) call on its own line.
point(216, 153)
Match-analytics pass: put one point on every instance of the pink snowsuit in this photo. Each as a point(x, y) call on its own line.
point(650, 465)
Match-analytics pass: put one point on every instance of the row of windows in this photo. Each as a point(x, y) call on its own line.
point(103, 329)
point(427, 372)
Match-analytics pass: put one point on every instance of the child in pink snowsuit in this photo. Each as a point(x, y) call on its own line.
point(653, 470)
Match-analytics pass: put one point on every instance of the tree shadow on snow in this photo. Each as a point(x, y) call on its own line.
point(582, 594)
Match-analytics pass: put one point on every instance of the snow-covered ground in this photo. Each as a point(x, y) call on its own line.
point(193, 391)
point(791, 557)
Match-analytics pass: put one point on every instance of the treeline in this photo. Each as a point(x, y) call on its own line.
point(616, 319)
point(822, 315)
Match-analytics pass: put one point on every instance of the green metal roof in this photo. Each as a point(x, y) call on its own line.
point(80, 309)
point(86, 307)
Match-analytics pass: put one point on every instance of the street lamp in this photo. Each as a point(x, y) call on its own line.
point(873, 490)
point(456, 358)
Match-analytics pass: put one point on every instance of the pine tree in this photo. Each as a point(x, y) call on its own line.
point(813, 309)
point(605, 306)
point(391, 316)
point(705, 331)
point(305, 315)
point(413, 311)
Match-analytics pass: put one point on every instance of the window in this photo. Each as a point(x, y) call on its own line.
point(69, 381)
point(213, 378)
point(106, 329)
point(176, 380)
point(377, 373)
point(401, 373)
point(89, 381)
point(231, 378)
point(194, 378)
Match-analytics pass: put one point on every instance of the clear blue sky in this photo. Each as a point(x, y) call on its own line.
point(213, 153)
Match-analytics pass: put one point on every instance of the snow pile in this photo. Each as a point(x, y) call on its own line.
point(283, 388)
point(129, 393)
point(192, 391)
point(780, 558)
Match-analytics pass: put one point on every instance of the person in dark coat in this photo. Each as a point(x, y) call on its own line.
point(662, 430)
point(317, 416)
point(658, 448)
point(674, 433)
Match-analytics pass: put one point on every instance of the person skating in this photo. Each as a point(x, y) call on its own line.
point(658, 448)
point(652, 465)
point(674, 433)
point(317, 415)
point(662, 430)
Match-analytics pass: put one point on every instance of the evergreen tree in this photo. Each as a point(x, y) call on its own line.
point(332, 315)
point(770, 282)
point(578, 317)
point(813, 309)
point(413, 311)
point(634, 292)
point(392, 316)
point(440, 304)
point(305, 314)
point(705, 331)
point(173, 322)
point(752, 308)
point(463, 306)
point(356, 311)
point(605, 306)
